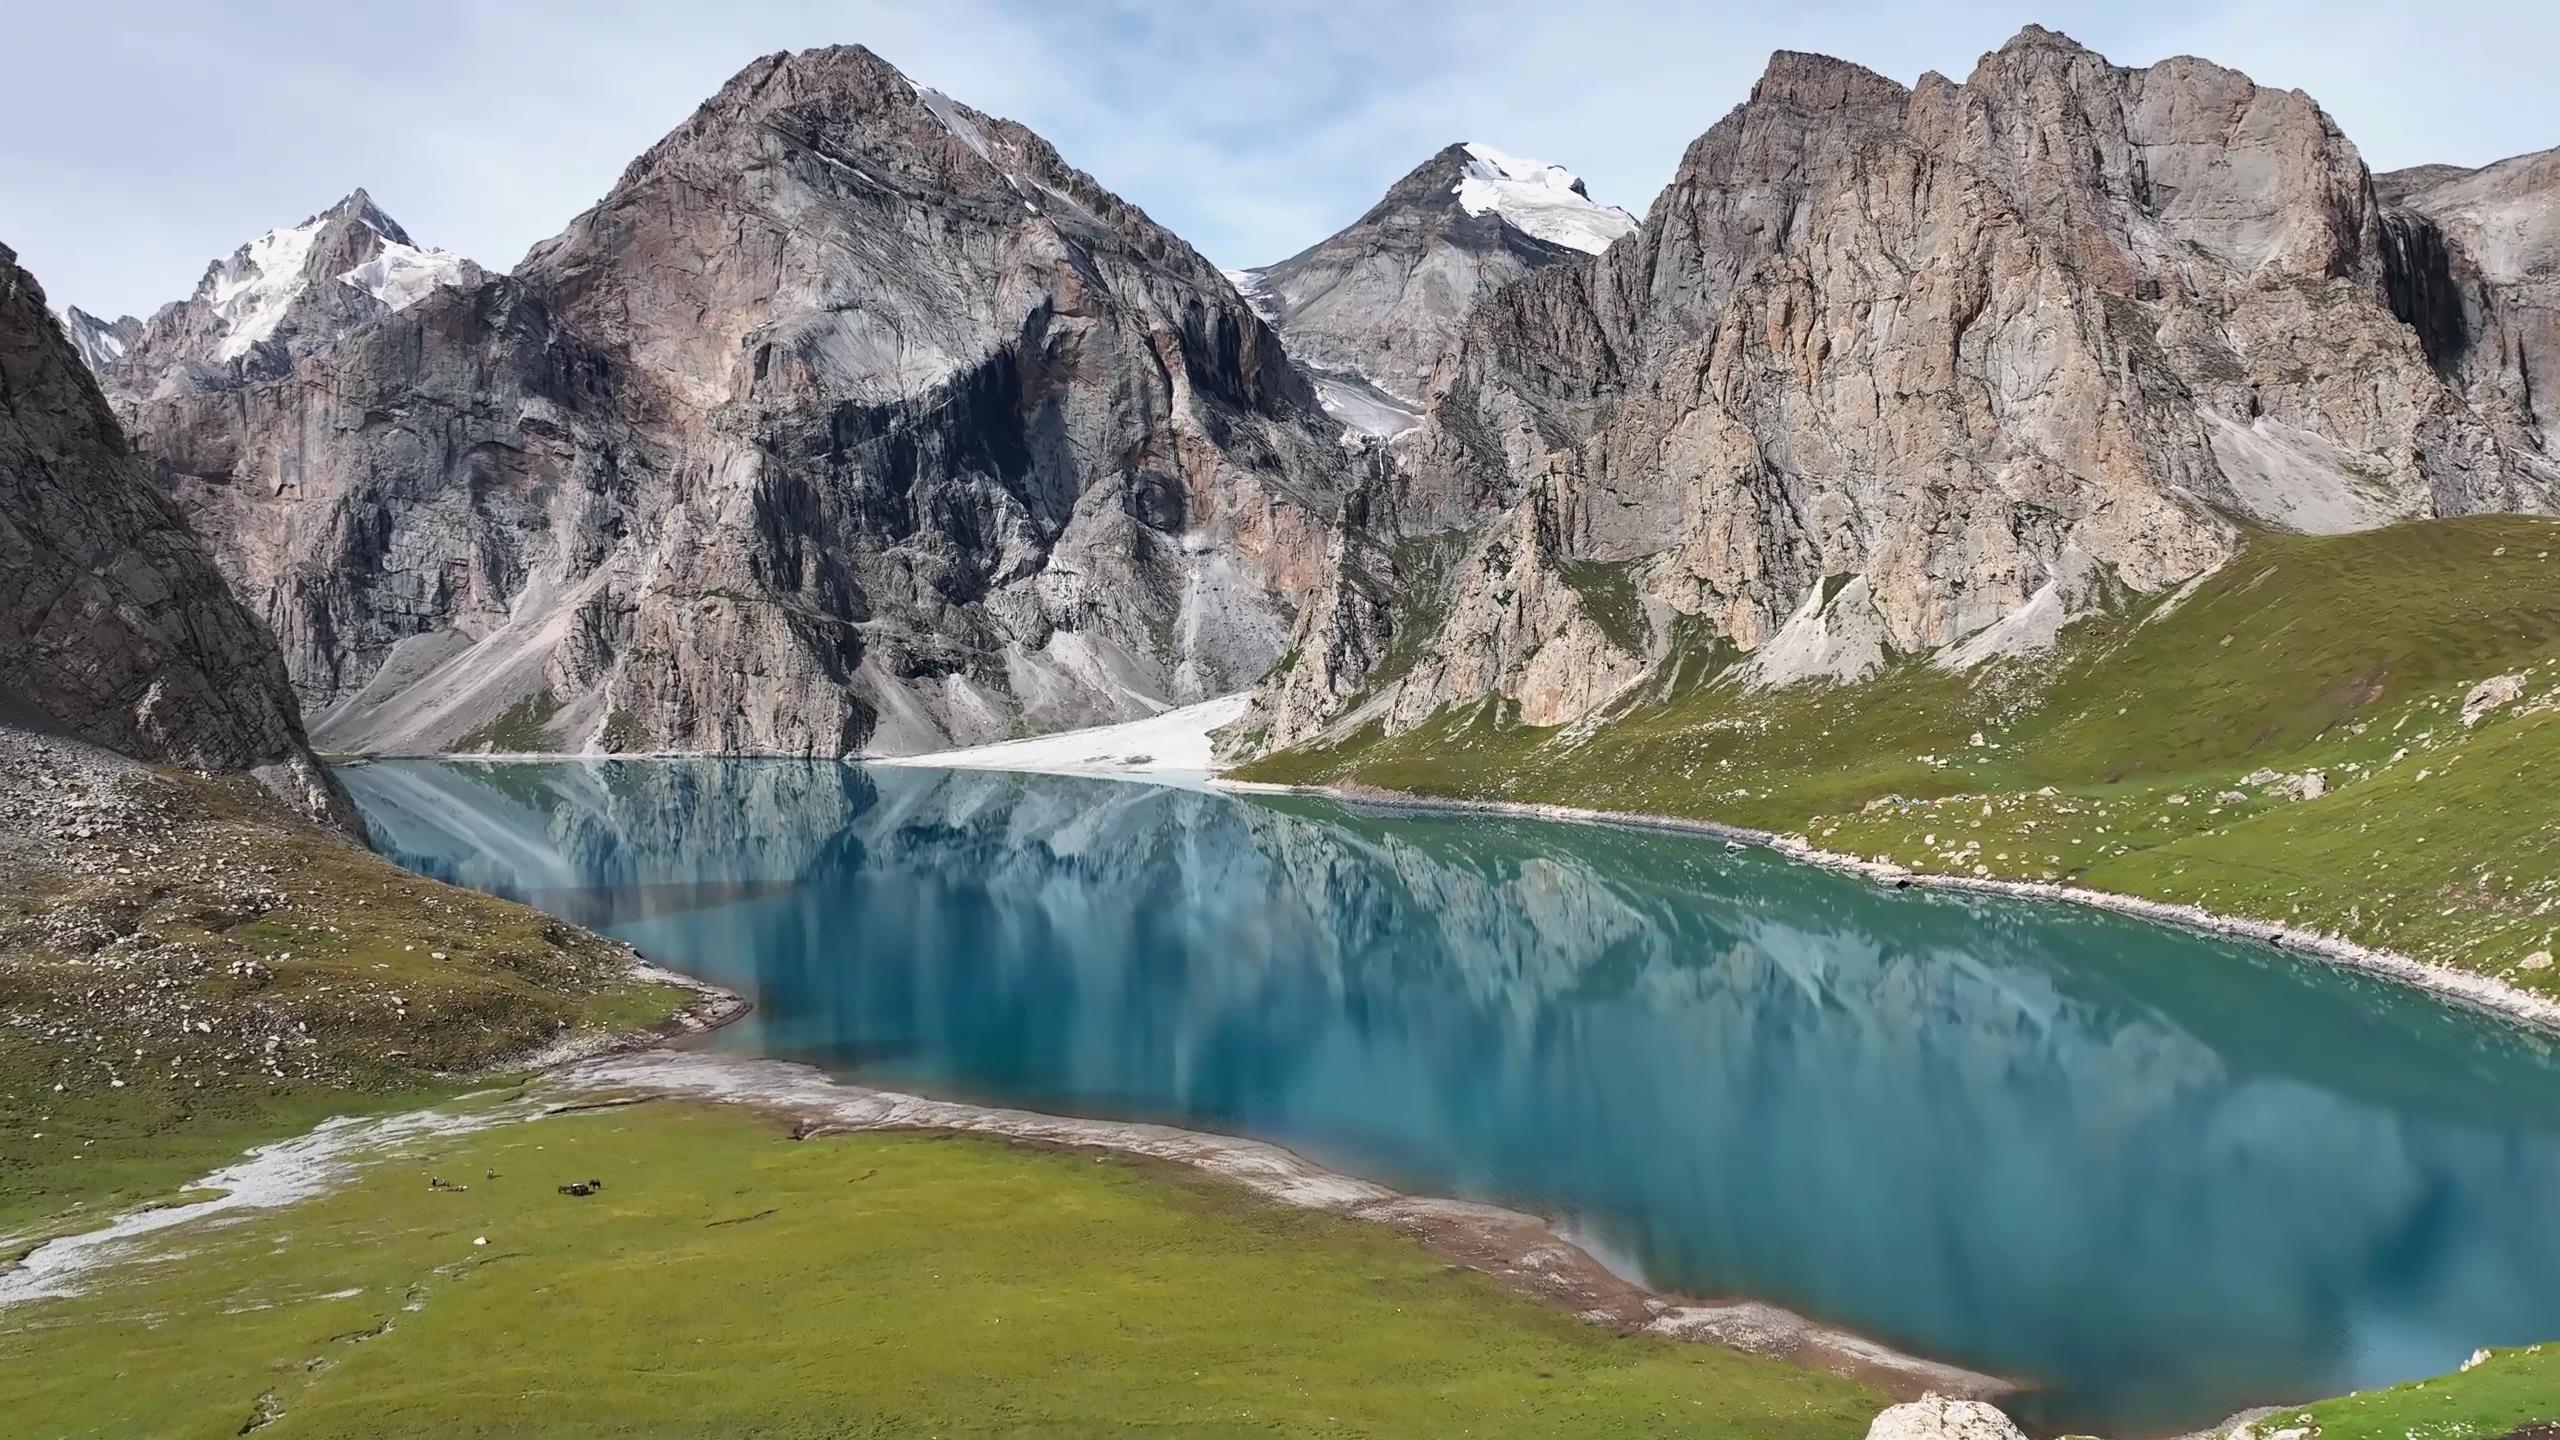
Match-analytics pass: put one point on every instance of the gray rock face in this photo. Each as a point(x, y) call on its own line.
point(2484, 278)
point(851, 419)
point(1370, 308)
point(1891, 370)
point(115, 627)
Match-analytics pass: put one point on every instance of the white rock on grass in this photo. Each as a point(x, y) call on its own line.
point(2490, 694)
point(1935, 1417)
point(2309, 785)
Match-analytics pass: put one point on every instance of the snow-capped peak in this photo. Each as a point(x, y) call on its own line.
point(1541, 200)
point(251, 291)
point(254, 290)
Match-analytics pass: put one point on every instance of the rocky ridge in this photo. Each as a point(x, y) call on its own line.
point(851, 420)
point(100, 343)
point(115, 626)
point(1894, 371)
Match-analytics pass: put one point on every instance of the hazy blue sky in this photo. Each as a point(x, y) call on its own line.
point(140, 140)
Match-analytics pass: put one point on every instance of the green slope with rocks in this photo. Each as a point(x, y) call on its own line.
point(2352, 734)
point(187, 969)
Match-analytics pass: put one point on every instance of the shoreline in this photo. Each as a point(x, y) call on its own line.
point(2481, 994)
point(712, 1007)
point(1526, 1254)
point(1523, 1253)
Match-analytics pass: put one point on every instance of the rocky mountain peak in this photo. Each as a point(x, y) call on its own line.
point(100, 343)
point(2393, 187)
point(1370, 308)
point(1431, 185)
point(835, 141)
point(1822, 82)
point(851, 419)
point(2036, 37)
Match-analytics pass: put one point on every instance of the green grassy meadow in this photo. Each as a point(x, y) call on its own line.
point(729, 1279)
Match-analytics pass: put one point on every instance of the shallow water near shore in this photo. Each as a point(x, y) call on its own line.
point(2156, 1175)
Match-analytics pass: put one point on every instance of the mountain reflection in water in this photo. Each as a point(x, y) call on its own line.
point(2161, 1175)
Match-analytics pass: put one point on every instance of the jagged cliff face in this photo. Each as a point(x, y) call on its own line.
point(850, 420)
point(2482, 286)
point(99, 343)
point(1893, 371)
point(1370, 309)
point(115, 627)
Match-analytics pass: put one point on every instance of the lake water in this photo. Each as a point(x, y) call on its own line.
point(2159, 1175)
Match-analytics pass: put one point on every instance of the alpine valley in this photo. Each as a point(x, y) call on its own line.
point(2074, 482)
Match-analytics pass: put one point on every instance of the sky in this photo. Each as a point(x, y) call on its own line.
point(140, 139)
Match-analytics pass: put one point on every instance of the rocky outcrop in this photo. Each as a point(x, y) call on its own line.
point(851, 420)
point(115, 627)
point(1889, 369)
point(1934, 1417)
point(1370, 308)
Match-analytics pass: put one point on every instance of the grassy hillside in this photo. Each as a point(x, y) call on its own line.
point(2506, 1395)
point(2156, 752)
point(185, 970)
point(731, 1280)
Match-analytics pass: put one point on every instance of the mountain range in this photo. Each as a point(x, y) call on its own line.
point(1898, 371)
point(853, 420)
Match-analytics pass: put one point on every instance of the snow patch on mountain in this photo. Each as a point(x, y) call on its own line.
point(1364, 405)
point(252, 291)
point(954, 119)
point(1171, 745)
point(1546, 202)
point(1248, 284)
point(402, 275)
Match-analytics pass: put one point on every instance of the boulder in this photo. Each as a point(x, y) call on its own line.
point(1935, 1417)
point(2490, 694)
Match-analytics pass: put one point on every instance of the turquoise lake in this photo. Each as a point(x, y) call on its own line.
point(2158, 1176)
